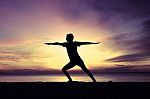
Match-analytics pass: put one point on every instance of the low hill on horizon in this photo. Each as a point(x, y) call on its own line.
point(111, 70)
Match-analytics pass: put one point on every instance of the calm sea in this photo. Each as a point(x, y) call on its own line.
point(82, 78)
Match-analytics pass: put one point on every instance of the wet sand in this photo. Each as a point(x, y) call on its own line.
point(78, 90)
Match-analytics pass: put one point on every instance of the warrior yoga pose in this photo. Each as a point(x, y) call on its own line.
point(74, 57)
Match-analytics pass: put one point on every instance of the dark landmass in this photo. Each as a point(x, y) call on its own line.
point(75, 90)
point(110, 70)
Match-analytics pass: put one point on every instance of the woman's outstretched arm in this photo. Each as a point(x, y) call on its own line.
point(55, 43)
point(87, 43)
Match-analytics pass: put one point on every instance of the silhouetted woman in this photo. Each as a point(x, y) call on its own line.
point(74, 57)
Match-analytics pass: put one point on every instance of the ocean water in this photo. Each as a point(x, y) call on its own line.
point(82, 78)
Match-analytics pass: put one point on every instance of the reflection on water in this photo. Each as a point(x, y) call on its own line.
point(83, 78)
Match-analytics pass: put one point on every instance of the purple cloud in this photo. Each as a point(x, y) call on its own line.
point(135, 43)
point(131, 57)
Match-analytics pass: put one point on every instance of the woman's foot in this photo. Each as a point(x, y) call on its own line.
point(94, 80)
point(69, 81)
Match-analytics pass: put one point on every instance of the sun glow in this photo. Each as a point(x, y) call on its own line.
point(56, 56)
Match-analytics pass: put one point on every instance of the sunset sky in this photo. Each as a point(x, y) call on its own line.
point(122, 27)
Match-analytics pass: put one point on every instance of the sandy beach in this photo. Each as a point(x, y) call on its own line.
point(88, 90)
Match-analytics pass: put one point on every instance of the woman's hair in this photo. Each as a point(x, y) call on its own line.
point(69, 37)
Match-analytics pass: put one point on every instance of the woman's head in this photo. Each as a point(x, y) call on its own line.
point(69, 37)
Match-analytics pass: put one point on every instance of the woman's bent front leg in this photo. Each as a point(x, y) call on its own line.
point(65, 68)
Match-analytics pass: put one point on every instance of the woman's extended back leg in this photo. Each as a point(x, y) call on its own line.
point(83, 67)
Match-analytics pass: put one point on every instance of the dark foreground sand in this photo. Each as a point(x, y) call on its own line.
point(76, 90)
